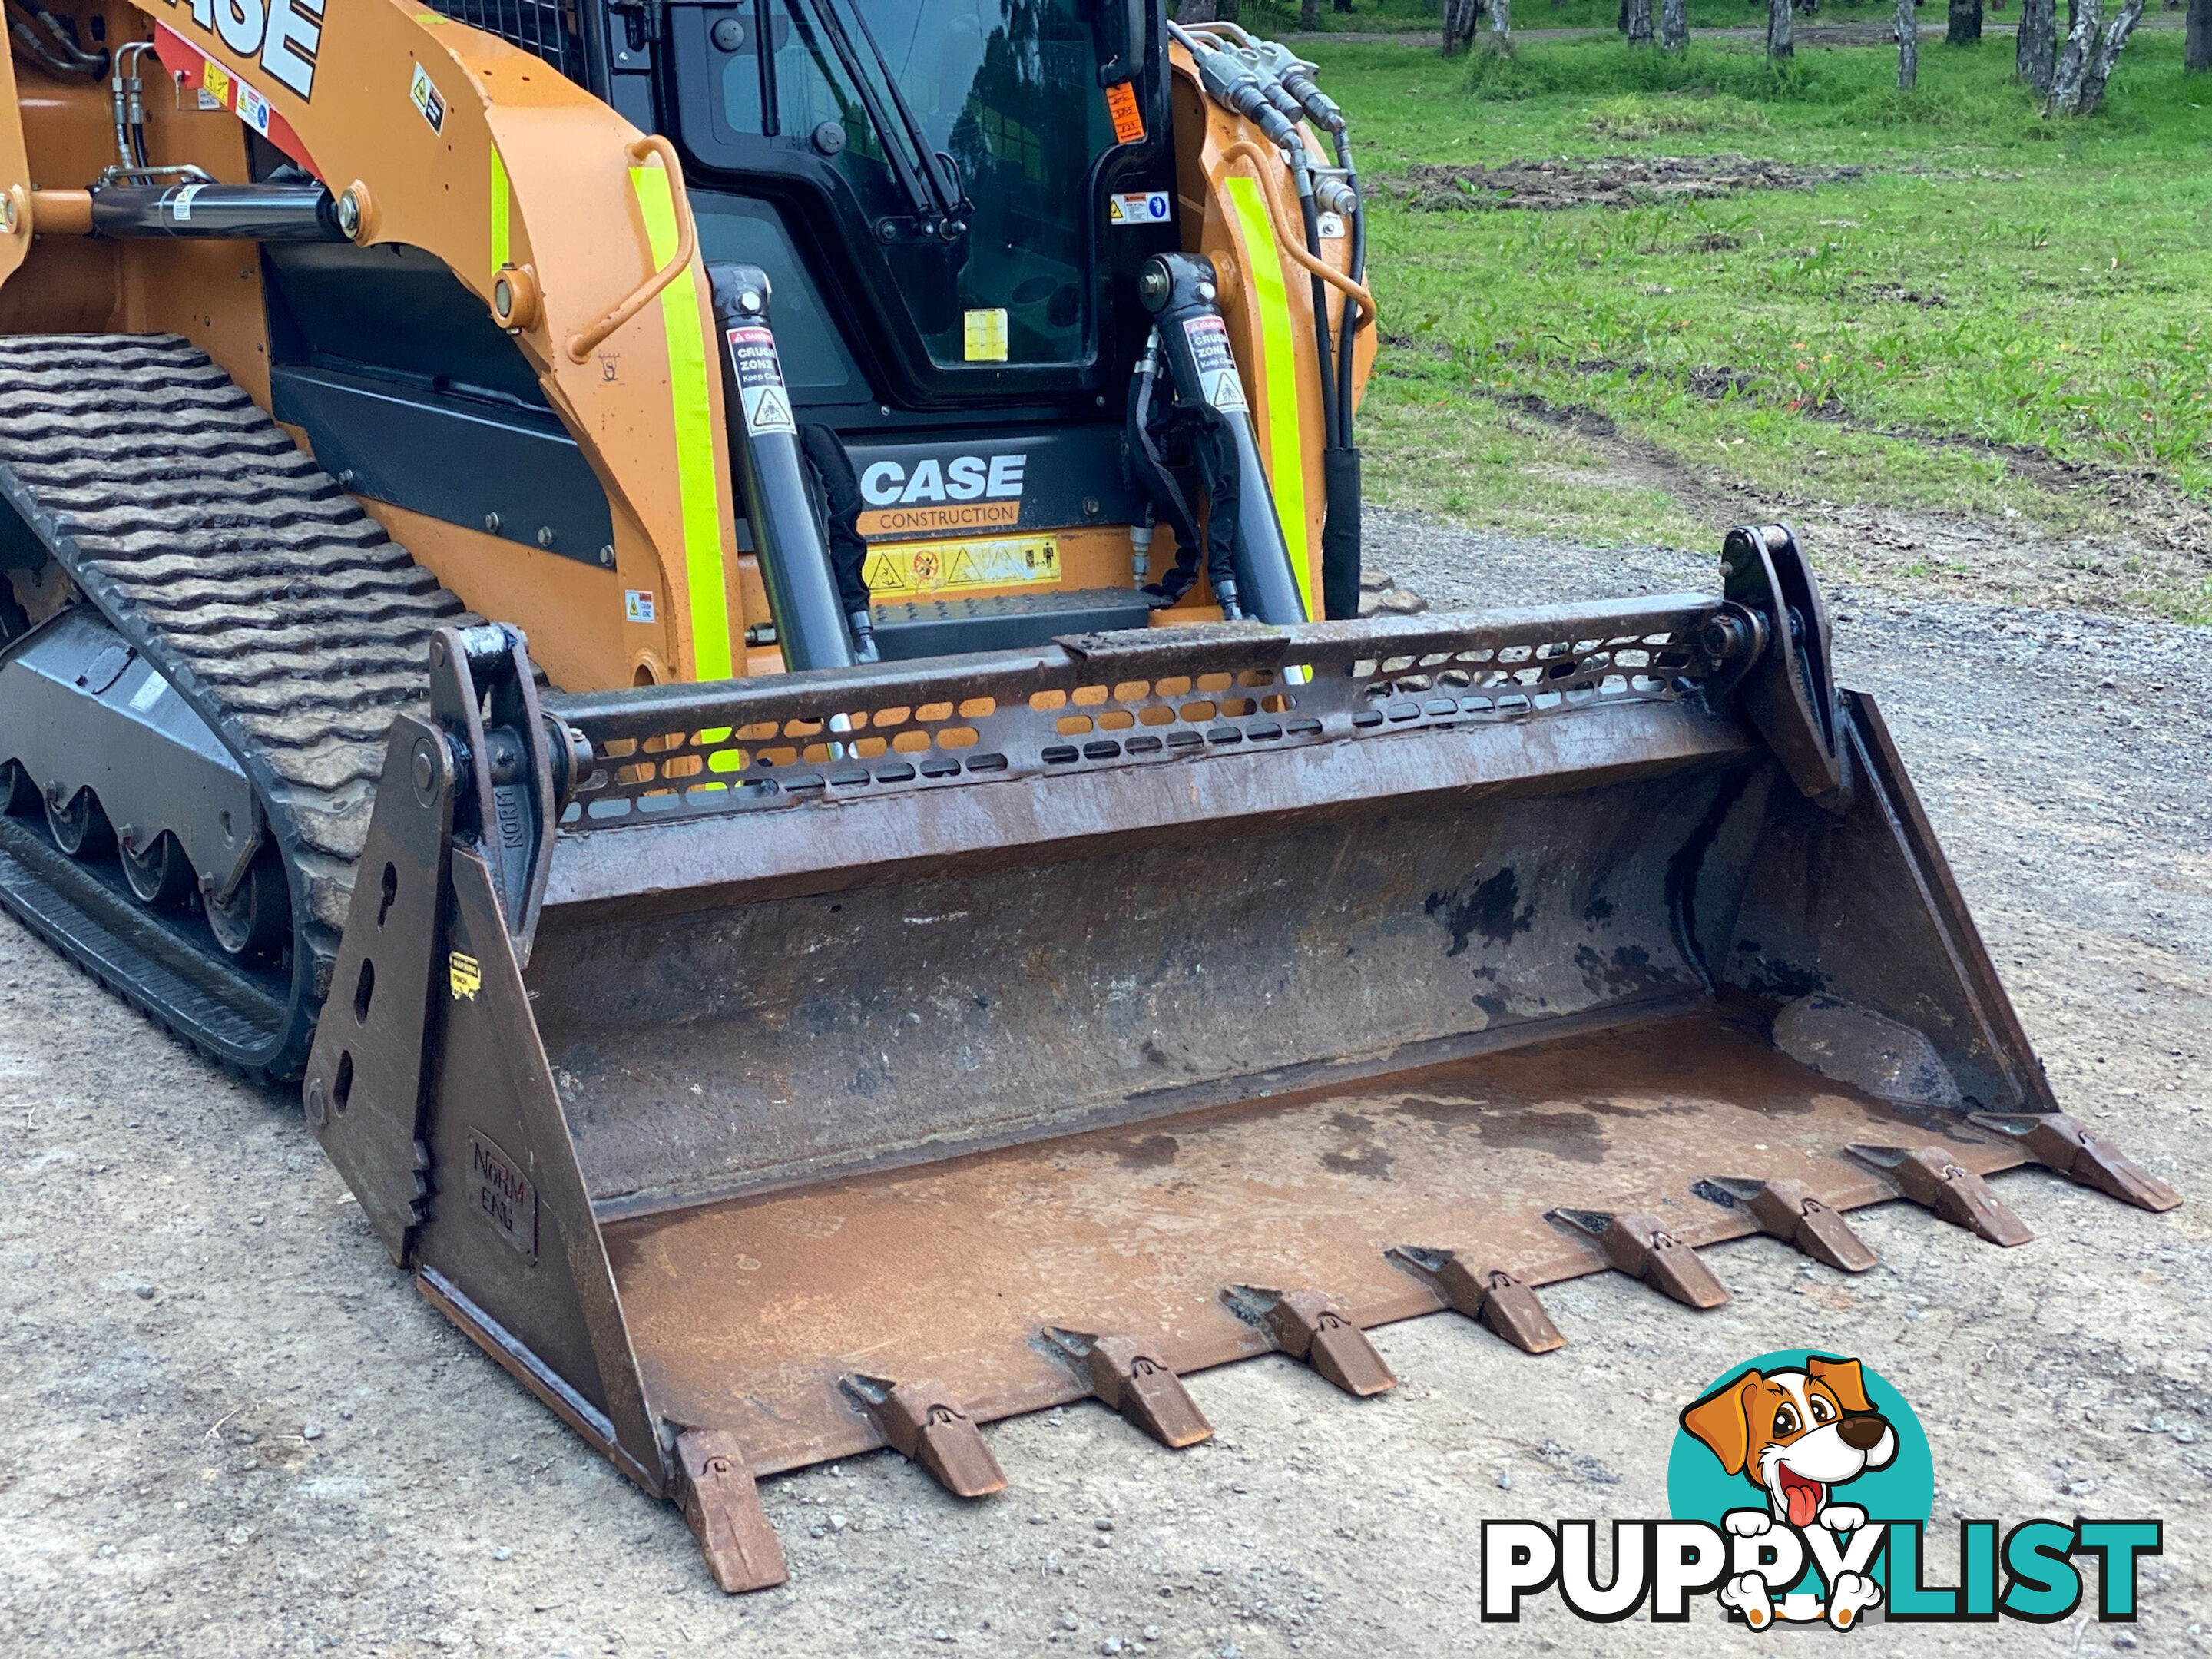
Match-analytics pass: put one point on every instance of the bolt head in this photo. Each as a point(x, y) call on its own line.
point(425, 771)
point(349, 215)
point(1725, 638)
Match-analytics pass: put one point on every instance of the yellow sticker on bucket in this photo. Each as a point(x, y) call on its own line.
point(466, 973)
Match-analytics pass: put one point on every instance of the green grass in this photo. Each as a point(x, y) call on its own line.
point(1996, 277)
point(1422, 17)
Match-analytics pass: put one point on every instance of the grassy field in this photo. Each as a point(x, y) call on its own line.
point(1992, 290)
point(1422, 16)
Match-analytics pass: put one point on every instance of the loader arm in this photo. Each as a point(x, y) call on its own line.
point(560, 216)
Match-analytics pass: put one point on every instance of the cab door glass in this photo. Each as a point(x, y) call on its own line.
point(1006, 90)
point(816, 363)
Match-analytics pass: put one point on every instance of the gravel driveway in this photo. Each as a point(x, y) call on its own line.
point(227, 1426)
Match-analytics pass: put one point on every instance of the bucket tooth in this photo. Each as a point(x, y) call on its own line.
point(2064, 1144)
point(1793, 1212)
point(1134, 1380)
point(1640, 1247)
point(1313, 1326)
point(723, 1507)
point(1932, 1178)
point(1493, 1296)
point(925, 1423)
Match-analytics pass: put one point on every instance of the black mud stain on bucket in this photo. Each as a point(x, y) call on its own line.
point(1489, 909)
point(1576, 1136)
point(1364, 1156)
point(1626, 972)
point(1147, 1151)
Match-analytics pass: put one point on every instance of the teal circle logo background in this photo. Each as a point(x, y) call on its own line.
point(1699, 1489)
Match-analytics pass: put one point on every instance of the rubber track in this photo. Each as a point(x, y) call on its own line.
point(281, 613)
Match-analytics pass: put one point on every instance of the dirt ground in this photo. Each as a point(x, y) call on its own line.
point(1600, 181)
point(228, 1427)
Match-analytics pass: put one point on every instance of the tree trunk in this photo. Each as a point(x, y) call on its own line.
point(1309, 15)
point(1779, 41)
point(1639, 22)
point(1195, 11)
point(2074, 62)
point(2197, 52)
point(1674, 24)
point(2038, 43)
point(1460, 18)
point(1908, 47)
point(1966, 24)
point(1501, 21)
point(2107, 55)
point(1622, 24)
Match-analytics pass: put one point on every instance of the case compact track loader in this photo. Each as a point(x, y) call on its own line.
point(950, 912)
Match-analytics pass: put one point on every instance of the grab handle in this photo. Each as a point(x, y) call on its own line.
point(582, 344)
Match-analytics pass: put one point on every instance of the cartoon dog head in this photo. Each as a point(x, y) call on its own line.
point(1795, 1435)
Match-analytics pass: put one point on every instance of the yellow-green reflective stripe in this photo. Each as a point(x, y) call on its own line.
point(1287, 471)
point(499, 238)
point(698, 488)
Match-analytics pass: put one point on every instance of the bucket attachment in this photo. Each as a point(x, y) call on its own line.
point(769, 1072)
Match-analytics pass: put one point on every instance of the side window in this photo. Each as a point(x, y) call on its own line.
point(815, 359)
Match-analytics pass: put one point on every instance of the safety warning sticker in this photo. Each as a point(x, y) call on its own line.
point(912, 570)
point(1141, 207)
point(766, 400)
point(425, 97)
point(466, 973)
point(253, 109)
point(1217, 365)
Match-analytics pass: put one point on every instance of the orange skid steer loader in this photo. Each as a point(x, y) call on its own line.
point(951, 912)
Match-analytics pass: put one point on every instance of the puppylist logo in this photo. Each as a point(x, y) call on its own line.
point(1800, 1486)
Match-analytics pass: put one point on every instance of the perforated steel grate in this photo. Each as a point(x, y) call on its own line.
point(551, 28)
point(1142, 698)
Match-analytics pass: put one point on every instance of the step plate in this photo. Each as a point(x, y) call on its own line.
point(1005, 621)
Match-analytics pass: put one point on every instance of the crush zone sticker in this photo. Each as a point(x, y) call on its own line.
point(1217, 365)
point(766, 403)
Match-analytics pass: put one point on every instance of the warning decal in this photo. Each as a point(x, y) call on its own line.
point(1144, 207)
point(425, 98)
point(767, 402)
point(1217, 365)
point(913, 570)
point(466, 973)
